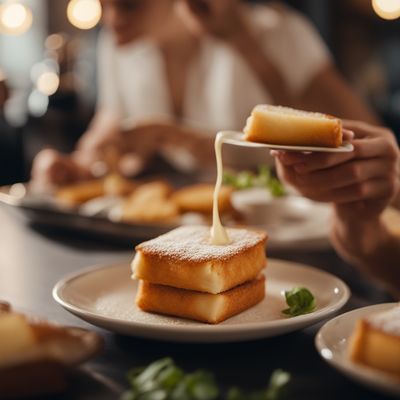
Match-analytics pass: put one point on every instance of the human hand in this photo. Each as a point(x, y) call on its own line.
point(360, 183)
point(221, 18)
point(126, 151)
point(51, 168)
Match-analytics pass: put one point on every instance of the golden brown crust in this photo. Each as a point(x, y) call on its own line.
point(117, 185)
point(285, 126)
point(375, 348)
point(204, 307)
point(150, 203)
point(199, 198)
point(211, 277)
point(78, 193)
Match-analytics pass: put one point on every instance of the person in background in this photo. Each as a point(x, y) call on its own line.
point(173, 72)
point(360, 184)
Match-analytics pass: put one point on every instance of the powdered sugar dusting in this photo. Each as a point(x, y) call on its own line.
point(193, 243)
point(387, 321)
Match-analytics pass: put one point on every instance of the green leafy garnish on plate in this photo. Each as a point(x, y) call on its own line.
point(263, 178)
point(163, 380)
point(300, 301)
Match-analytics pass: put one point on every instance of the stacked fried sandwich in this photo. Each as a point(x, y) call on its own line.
point(182, 274)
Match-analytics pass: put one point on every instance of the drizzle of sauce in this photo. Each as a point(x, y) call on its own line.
point(219, 235)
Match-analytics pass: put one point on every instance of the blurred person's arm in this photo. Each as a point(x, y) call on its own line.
point(291, 60)
point(368, 245)
point(329, 93)
point(227, 20)
point(146, 139)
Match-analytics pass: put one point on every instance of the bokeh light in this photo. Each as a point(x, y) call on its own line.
point(84, 14)
point(38, 103)
point(15, 18)
point(48, 82)
point(54, 41)
point(387, 9)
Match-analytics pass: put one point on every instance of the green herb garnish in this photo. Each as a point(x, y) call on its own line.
point(300, 301)
point(247, 179)
point(277, 383)
point(163, 380)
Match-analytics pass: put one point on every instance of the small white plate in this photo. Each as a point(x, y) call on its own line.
point(332, 342)
point(236, 139)
point(105, 296)
point(292, 222)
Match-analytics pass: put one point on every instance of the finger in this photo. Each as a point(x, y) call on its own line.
point(348, 135)
point(380, 146)
point(312, 161)
point(363, 129)
point(363, 149)
point(371, 189)
point(346, 174)
point(286, 174)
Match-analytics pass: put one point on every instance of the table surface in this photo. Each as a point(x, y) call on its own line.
point(33, 259)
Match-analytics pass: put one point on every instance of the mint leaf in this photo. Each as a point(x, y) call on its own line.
point(300, 301)
point(163, 380)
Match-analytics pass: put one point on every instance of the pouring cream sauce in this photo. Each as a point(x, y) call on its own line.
point(219, 235)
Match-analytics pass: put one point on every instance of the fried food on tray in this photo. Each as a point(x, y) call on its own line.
point(34, 354)
point(117, 185)
point(376, 341)
point(287, 126)
point(78, 193)
point(184, 275)
point(81, 192)
point(150, 203)
point(199, 198)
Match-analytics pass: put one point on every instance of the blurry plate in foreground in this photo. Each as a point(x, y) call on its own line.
point(236, 139)
point(332, 343)
point(105, 296)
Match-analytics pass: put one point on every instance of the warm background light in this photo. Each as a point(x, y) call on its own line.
point(84, 14)
point(387, 9)
point(48, 83)
point(15, 18)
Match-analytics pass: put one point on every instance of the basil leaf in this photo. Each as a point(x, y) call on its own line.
point(300, 301)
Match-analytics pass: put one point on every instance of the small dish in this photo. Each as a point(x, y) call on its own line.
point(332, 342)
point(105, 296)
point(236, 139)
point(291, 221)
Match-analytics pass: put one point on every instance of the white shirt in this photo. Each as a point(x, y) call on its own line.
point(221, 88)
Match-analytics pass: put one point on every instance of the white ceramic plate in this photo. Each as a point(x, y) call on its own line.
point(105, 296)
point(292, 222)
point(236, 139)
point(332, 341)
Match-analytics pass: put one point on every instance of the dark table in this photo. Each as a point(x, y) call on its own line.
point(32, 261)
